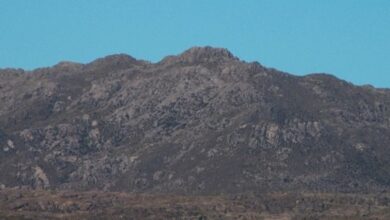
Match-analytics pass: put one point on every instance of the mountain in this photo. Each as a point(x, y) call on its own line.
point(199, 123)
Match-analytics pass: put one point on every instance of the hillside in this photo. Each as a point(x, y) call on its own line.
point(200, 123)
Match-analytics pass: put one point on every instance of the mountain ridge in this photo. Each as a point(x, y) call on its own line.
point(191, 53)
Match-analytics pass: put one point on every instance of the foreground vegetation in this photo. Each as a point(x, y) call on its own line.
point(40, 204)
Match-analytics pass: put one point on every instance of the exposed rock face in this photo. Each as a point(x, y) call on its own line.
point(40, 179)
point(202, 122)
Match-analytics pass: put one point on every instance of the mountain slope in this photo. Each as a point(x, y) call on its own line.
point(202, 122)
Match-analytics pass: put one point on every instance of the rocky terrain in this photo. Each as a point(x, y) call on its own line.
point(201, 123)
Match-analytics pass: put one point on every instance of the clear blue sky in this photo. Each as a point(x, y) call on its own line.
point(347, 38)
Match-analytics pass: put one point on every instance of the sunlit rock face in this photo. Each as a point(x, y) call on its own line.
point(202, 122)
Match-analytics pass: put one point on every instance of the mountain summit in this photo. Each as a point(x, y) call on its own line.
point(200, 123)
point(201, 55)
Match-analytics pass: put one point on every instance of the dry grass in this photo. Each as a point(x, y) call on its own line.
point(39, 204)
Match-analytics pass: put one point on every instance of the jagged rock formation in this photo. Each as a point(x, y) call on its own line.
point(202, 122)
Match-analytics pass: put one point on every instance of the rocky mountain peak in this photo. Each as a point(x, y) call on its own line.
point(207, 52)
point(68, 66)
point(200, 55)
point(113, 61)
